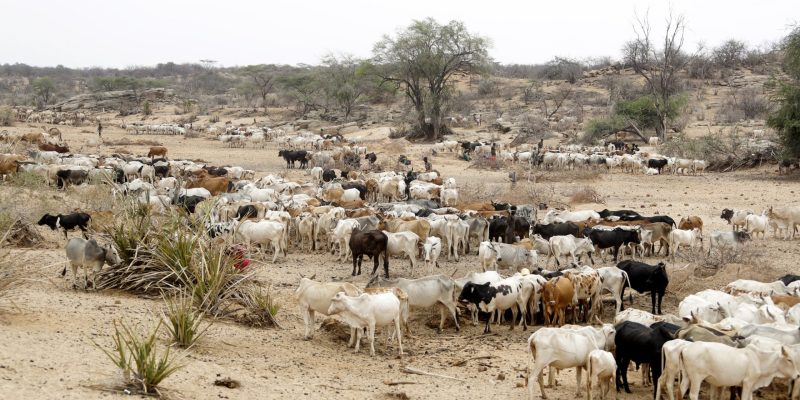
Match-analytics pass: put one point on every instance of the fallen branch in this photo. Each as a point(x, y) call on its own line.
point(395, 383)
point(412, 370)
point(464, 361)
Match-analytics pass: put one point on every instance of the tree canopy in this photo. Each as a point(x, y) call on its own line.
point(423, 59)
point(786, 119)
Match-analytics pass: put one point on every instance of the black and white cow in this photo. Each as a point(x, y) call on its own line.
point(490, 297)
point(613, 239)
point(67, 222)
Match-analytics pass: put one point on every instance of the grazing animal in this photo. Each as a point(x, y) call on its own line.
point(373, 243)
point(68, 222)
point(640, 344)
point(614, 239)
point(755, 224)
point(431, 249)
point(369, 311)
point(292, 156)
point(426, 292)
point(264, 232)
point(646, 278)
point(557, 294)
point(727, 239)
point(735, 217)
point(315, 296)
point(89, 254)
point(691, 222)
point(159, 151)
point(66, 177)
point(500, 296)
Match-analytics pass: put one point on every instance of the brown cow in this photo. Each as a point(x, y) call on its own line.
point(8, 164)
point(215, 184)
point(372, 189)
point(659, 232)
point(53, 147)
point(477, 207)
point(361, 212)
point(160, 151)
point(785, 301)
point(33, 137)
point(557, 294)
point(691, 222)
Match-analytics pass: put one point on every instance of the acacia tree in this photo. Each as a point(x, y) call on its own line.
point(263, 77)
point(658, 65)
point(786, 119)
point(43, 89)
point(346, 81)
point(423, 59)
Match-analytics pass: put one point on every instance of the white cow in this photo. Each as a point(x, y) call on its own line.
point(403, 243)
point(449, 197)
point(263, 233)
point(457, 236)
point(788, 216)
point(706, 310)
point(671, 367)
point(603, 367)
point(645, 318)
point(684, 237)
point(722, 366)
point(569, 216)
point(613, 281)
point(755, 224)
point(569, 245)
point(426, 292)
point(341, 236)
point(561, 349)
point(756, 288)
point(432, 248)
point(368, 311)
point(305, 229)
point(509, 255)
point(315, 296)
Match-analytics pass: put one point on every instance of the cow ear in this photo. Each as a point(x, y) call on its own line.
point(784, 352)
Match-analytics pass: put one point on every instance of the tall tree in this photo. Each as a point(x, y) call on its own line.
point(786, 119)
point(44, 90)
point(263, 77)
point(346, 81)
point(423, 59)
point(659, 65)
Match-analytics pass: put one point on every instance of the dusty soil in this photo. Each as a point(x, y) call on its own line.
point(49, 329)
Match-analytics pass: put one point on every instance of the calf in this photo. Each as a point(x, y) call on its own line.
point(489, 298)
point(314, 297)
point(755, 224)
point(373, 243)
point(737, 218)
point(646, 278)
point(601, 366)
point(67, 222)
point(368, 311)
point(426, 292)
point(688, 238)
point(431, 249)
point(657, 163)
point(640, 344)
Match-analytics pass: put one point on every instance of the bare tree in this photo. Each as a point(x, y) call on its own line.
point(659, 66)
point(549, 103)
point(263, 77)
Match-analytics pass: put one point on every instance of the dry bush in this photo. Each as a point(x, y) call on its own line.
point(706, 265)
point(586, 194)
point(127, 142)
point(259, 307)
point(6, 116)
point(10, 268)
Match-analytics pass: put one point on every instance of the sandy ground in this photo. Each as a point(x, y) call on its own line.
point(48, 329)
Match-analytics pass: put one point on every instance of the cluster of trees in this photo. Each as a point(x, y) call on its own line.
point(786, 118)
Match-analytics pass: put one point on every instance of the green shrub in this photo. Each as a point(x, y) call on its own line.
point(146, 110)
point(6, 116)
point(142, 365)
point(183, 320)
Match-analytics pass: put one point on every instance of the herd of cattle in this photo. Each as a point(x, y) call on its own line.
point(745, 335)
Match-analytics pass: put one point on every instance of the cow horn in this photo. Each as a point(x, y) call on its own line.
point(599, 321)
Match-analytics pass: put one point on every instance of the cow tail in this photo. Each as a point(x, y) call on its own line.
point(627, 279)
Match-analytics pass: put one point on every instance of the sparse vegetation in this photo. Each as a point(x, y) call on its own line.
point(146, 108)
point(143, 366)
point(184, 322)
point(6, 116)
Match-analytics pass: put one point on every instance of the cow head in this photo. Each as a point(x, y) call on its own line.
point(111, 255)
point(727, 214)
point(49, 220)
point(337, 304)
point(741, 236)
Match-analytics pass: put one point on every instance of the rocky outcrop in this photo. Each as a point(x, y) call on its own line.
point(114, 100)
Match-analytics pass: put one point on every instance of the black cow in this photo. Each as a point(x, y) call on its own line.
point(119, 176)
point(189, 203)
point(547, 231)
point(71, 177)
point(344, 173)
point(789, 278)
point(482, 296)
point(618, 144)
point(246, 211)
point(328, 175)
point(630, 214)
point(216, 171)
point(424, 212)
point(67, 222)
point(661, 218)
point(162, 171)
point(640, 344)
point(727, 214)
point(292, 156)
point(657, 163)
point(604, 239)
point(646, 278)
point(504, 206)
point(362, 188)
point(371, 157)
point(499, 229)
point(372, 243)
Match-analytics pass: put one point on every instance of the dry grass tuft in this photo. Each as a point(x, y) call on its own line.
point(586, 194)
point(127, 142)
point(10, 268)
point(184, 322)
point(259, 307)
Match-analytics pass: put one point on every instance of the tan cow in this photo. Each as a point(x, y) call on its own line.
point(160, 151)
point(557, 295)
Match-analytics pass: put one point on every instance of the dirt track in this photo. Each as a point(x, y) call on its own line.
point(48, 334)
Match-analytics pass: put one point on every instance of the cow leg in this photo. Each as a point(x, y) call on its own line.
point(371, 333)
point(358, 257)
point(74, 275)
point(578, 372)
point(660, 297)
point(487, 328)
point(537, 372)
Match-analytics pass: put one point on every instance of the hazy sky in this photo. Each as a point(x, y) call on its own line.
point(120, 33)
